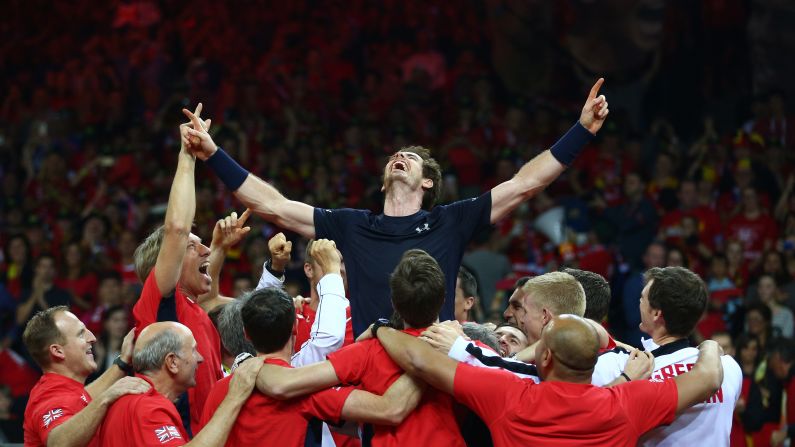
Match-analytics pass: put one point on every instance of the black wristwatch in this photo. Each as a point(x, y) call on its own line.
point(124, 366)
point(378, 324)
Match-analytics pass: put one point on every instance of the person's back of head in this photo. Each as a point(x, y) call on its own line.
point(268, 318)
point(145, 255)
point(597, 293)
point(568, 349)
point(681, 296)
point(478, 332)
point(230, 327)
point(417, 286)
point(558, 292)
point(41, 332)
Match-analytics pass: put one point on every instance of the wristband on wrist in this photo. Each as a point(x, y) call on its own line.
point(269, 267)
point(379, 323)
point(566, 149)
point(228, 170)
point(124, 366)
point(624, 375)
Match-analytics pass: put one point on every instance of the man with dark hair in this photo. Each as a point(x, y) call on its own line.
point(597, 293)
point(166, 357)
point(512, 340)
point(269, 318)
point(61, 411)
point(373, 243)
point(671, 303)
point(565, 409)
point(418, 292)
point(466, 295)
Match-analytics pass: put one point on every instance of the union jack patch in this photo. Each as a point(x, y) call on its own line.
point(167, 433)
point(51, 415)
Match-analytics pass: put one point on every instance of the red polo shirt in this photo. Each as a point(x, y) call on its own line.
point(267, 421)
point(137, 420)
point(367, 364)
point(520, 412)
point(53, 400)
point(151, 307)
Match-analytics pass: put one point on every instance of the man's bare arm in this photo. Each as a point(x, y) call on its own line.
point(542, 170)
point(704, 380)
point(398, 401)
point(80, 428)
point(419, 359)
point(286, 383)
point(258, 195)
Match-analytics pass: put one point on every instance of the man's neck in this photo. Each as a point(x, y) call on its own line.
point(283, 354)
point(401, 201)
point(165, 385)
point(185, 292)
point(664, 339)
point(314, 298)
point(62, 370)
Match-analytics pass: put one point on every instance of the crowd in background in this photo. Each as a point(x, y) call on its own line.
point(313, 96)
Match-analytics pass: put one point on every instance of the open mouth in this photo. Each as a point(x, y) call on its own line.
point(203, 268)
point(399, 166)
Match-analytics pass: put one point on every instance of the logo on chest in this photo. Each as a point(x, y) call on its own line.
point(425, 227)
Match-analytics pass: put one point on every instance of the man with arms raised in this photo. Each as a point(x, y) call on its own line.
point(372, 244)
point(564, 409)
point(166, 357)
point(671, 304)
point(61, 411)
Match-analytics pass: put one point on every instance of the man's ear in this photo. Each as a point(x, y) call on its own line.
point(427, 183)
point(56, 351)
point(545, 358)
point(171, 362)
point(546, 315)
point(469, 302)
point(308, 270)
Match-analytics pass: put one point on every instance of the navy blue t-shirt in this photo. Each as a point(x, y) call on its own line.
point(372, 245)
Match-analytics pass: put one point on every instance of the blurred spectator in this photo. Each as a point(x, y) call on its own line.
point(43, 292)
point(115, 325)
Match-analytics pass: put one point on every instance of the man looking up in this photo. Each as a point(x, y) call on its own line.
point(61, 411)
point(373, 244)
point(166, 357)
point(565, 409)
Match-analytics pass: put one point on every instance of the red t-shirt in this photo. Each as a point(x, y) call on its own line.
point(267, 421)
point(753, 233)
point(148, 310)
point(138, 420)
point(53, 401)
point(305, 319)
point(519, 412)
point(367, 365)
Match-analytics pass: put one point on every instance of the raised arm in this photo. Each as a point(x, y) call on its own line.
point(399, 400)
point(704, 380)
point(542, 170)
point(256, 194)
point(273, 270)
point(227, 232)
point(419, 359)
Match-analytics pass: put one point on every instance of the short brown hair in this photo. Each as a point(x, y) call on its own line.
point(307, 255)
point(417, 286)
point(681, 296)
point(40, 332)
point(430, 170)
point(145, 255)
point(559, 292)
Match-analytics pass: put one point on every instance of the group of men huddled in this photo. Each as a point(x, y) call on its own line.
point(201, 369)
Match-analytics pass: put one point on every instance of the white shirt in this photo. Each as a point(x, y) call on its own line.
point(467, 352)
point(707, 423)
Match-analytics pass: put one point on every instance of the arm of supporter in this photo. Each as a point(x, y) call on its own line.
point(253, 192)
point(286, 383)
point(639, 366)
point(226, 233)
point(240, 387)
point(527, 354)
point(542, 170)
point(465, 351)
point(96, 388)
point(328, 330)
point(419, 359)
point(704, 380)
point(280, 249)
point(80, 428)
point(399, 400)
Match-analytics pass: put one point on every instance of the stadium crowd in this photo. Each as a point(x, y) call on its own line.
point(316, 101)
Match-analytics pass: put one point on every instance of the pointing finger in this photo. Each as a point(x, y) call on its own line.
point(244, 217)
point(595, 88)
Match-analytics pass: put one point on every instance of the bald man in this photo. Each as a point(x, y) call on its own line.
point(564, 408)
point(166, 357)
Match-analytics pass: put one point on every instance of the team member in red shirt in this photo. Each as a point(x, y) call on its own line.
point(167, 357)
point(173, 265)
point(268, 318)
point(565, 408)
point(61, 411)
point(417, 286)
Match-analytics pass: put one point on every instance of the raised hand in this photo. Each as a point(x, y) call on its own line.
point(280, 249)
point(595, 109)
point(324, 252)
point(195, 136)
point(230, 230)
